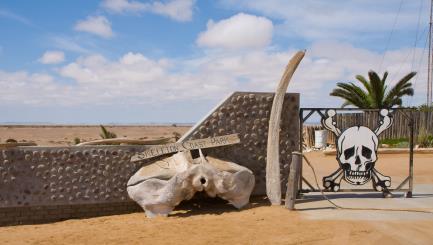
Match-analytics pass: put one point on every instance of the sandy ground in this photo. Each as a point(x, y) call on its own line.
point(394, 165)
point(64, 135)
point(214, 222)
point(217, 224)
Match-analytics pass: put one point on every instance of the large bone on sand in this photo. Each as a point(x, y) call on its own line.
point(160, 186)
point(273, 179)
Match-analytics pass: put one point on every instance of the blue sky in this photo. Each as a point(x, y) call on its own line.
point(124, 61)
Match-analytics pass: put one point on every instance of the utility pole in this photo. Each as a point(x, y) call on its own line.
point(429, 72)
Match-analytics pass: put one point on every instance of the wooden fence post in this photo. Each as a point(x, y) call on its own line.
point(292, 183)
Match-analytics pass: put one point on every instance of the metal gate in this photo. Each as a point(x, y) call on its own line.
point(357, 150)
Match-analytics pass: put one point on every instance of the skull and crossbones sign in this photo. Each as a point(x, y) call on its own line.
point(357, 154)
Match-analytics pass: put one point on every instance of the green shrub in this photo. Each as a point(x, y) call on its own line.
point(77, 141)
point(105, 134)
point(424, 139)
point(425, 108)
point(400, 142)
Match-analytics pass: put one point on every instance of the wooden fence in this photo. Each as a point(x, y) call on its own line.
point(399, 129)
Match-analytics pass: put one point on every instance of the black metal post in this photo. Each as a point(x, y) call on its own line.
point(301, 142)
point(411, 125)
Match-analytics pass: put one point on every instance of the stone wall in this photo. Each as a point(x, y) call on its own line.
point(247, 114)
point(41, 184)
point(50, 213)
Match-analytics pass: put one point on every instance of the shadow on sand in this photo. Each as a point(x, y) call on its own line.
point(202, 204)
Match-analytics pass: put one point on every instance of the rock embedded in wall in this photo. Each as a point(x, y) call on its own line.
point(247, 114)
point(33, 176)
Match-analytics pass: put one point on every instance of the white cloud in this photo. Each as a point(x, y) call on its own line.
point(341, 19)
point(69, 44)
point(120, 6)
point(135, 78)
point(29, 89)
point(10, 15)
point(52, 57)
point(241, 31)
point(179, 10)
point(98, 25)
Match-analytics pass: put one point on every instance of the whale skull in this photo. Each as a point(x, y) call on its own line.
point(159, 187)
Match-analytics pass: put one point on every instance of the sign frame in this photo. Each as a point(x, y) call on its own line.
point(159, 150)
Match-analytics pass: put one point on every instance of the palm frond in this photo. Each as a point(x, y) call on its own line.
point(377, 89)
point(352, 94)
point(385, 75)
point(348, 98)
point(402, 88)
point(376, 94)
point(364, 82)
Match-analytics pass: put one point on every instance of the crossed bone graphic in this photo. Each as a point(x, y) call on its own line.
point(357, 154)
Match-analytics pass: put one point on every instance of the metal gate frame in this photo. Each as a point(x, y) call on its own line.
point(406, 112)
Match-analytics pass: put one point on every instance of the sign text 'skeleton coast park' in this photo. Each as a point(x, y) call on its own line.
point(187, 145)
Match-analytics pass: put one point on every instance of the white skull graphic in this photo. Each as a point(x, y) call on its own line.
point(357, 148)
point(357, 153)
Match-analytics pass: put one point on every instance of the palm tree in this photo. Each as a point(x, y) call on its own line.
point(376, 94)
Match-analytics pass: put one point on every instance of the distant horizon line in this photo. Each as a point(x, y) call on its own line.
point(94, 124)
point(42, 124)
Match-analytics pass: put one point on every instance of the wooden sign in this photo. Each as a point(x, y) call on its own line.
point(187, 145)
